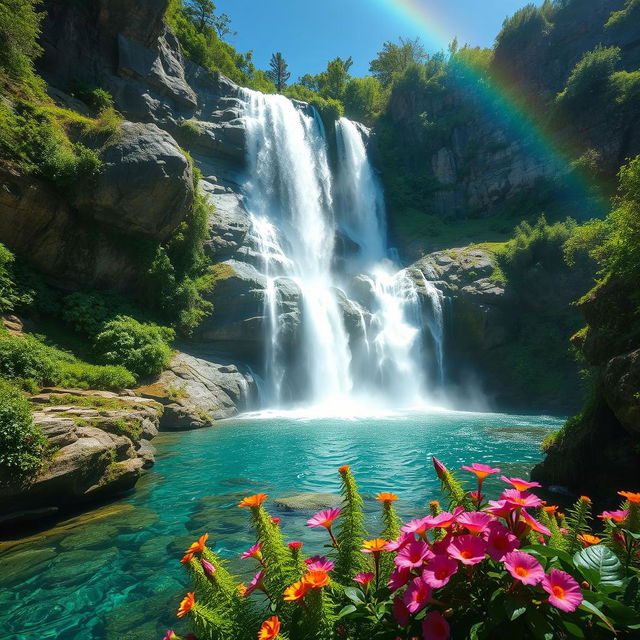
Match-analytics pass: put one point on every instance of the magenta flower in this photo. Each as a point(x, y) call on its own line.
point(171, 636)
point(364, 578)
point(399, 577)
point(500, 508)
point(417, 595)
point(616, 516)
point(443, 520)
point(440, 547)
point(400, 543)
point(476, 496)
point(324, 518)
point(475, 521)
point(500, 541)
point(519, 483)
point(481, 471)
point(256, 583)
point(400, 612)
point(441, 470)
point(523, 567)
point(319, 563)
point(564, 592)
point(435, 627)
point(253, 552)
point(468, 549)
point(536, 526)
point(438, 571)
point(521, 499)
point(419, 526)
point(413, 555)
point(208, 569)
point(296, 544)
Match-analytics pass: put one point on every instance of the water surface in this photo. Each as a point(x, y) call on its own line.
point(114, 573)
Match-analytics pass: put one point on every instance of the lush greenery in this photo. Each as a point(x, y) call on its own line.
point(512, 567)
point(23, 447)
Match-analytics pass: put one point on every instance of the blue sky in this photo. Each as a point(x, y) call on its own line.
point(310, 33)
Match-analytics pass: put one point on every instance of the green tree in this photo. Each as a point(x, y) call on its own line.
point(333, 82)
point(19, 31)
point(396, 58)
point(363, 98)
point(278, 71)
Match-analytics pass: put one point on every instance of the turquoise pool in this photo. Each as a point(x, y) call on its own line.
point(114, 573)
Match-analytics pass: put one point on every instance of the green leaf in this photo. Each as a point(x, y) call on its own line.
point(574, 630)
point(548, 552)
point(354, 594)
point(600, 565)
point(345, 611)
point(591, 608)
point(475, 630)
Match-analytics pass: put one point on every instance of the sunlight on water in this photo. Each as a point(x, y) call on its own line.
point(114, 573)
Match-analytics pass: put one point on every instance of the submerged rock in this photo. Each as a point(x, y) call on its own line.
point(308, 501)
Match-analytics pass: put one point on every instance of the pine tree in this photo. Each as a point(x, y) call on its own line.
point(278, 72)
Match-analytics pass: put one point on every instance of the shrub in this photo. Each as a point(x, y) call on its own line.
point(11, 295)
point(589, 81)
point(95, 97)
point(625, 16)
point(86, 313)
point(141, 348)
point(19, 31)
point(516, 567)
point(131, 428)
point(23, 447)
point(524, 24)
point(82, 375)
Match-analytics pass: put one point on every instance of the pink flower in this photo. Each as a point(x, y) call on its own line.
point(324, 518)
point(256, 583)
point(364, 578)
point(435, 627)
point(276, 520)
point(519, 483)
point(413, 555)
point(476, 496)
point(536, 526)
point(481, 471)
point(417, 595)
point(440, 547)
point(439, 571)
point(207, 567)
point(616, 516)
point(500, 540)
point(400, 612)
point(564, 592)
point(420, 526)
point(468, 549)
point(521, 499)
point(401, 542)
point(475, 521)
point(441, 470)
point(399, 577)
point(523, 567)
point(499, 508)
point(443, 520)
point(296, 544)
point(319, 563)
point(253, 552)
point(171, 635)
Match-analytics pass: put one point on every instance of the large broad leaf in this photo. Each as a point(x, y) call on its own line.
point(600, 566)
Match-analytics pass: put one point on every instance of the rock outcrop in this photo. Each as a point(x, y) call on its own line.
point(100, 444)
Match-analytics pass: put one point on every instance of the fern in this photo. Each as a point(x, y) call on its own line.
point(557, 540)
point(578, 519)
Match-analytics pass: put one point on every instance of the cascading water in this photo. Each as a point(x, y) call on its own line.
point(354, 340)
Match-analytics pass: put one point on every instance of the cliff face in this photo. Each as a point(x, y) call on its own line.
point(470, 155)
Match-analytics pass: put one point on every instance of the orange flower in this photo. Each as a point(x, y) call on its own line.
point(198, 547)
point(253, 501)
point(374, 546)
point(316, 579)
point(270, 629)
point(551, 509)
point(344, 468)
point(242, 588)
point(587, 540)
point(187, 558)
point(585, 498)
point(385, 496)
point(296, 591)
point(186, 605)
point(634, 498)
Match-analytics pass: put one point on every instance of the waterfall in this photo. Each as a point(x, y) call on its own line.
point(320, 235)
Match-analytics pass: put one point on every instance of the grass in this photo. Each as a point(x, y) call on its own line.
point(92, 401)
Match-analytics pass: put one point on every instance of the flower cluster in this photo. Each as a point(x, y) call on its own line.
point(507, 567)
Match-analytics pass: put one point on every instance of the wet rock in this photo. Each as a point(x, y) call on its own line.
point(308, 501)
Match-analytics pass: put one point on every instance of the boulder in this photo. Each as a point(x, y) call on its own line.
point(308, 501)
point(621, 383)
point(145, 186)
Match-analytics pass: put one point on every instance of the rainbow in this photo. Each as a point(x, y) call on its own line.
point(497, 97)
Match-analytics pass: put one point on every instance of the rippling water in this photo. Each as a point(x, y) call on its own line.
point(113, 574)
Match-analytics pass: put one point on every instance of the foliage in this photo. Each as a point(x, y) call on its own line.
point(11, 295)
point(484, 570)
point(525, 24)
point(23, 447)
point(130, 428)
point(589, 81)
point(625, 16)
point(278, 72)
point(96, 98)
point(363, 99)
point(142, 348)
point(394, 59)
